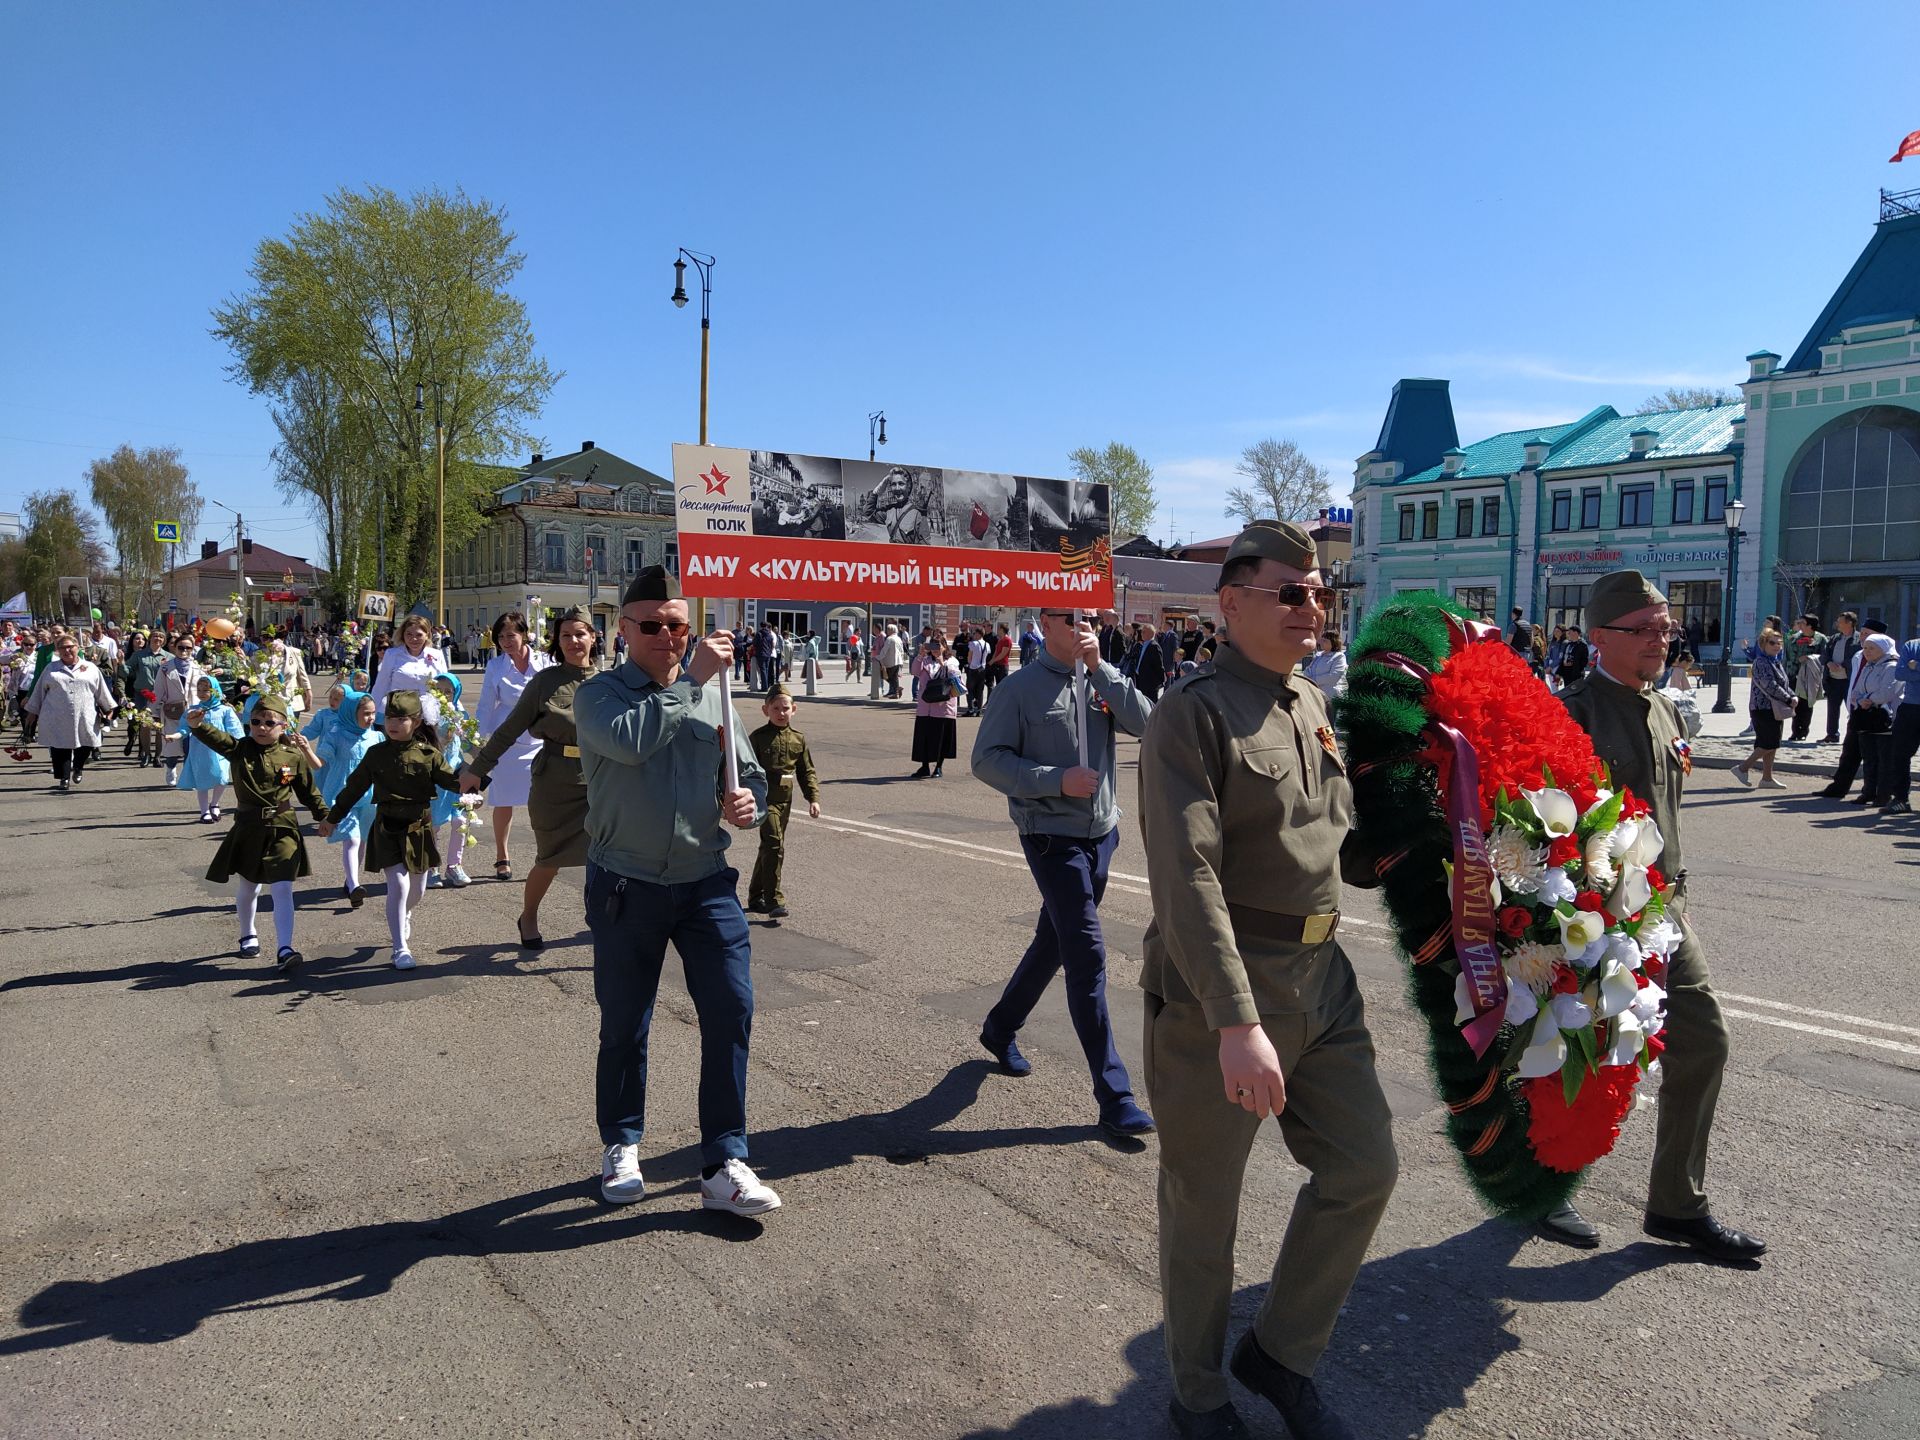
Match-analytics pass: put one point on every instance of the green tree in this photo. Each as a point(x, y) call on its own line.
point(1129, 481)
point(63, 538)
point(360, 303)
point(1692, 397)
point(1285, 484)
point(134, 488)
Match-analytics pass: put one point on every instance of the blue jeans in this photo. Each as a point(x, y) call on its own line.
point(1072, 876)
point(632, 922)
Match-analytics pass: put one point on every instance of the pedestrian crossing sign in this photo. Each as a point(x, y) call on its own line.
point(167, 532)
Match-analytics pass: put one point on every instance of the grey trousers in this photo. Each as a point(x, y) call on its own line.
point(1336, 1124)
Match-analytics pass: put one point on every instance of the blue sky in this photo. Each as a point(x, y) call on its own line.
point(1017, 228)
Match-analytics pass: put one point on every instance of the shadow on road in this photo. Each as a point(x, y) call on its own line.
point(177, 913)
point(1418, 1331)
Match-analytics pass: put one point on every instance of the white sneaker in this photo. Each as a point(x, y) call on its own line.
point(433, 879)
point(1773, 785)
point(620, 1180)
point(402, 960)
point(735, 1187)
point(457, 878)
point(1740, 774)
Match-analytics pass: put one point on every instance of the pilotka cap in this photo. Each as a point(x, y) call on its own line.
point(1618, 593)
point(1280, 540)
point(652, 583)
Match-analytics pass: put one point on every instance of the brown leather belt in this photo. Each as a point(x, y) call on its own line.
point(1252, 924)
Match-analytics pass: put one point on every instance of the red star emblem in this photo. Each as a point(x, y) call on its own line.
point(716, 481)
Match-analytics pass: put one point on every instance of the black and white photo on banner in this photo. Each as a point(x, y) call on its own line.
point(798, 496)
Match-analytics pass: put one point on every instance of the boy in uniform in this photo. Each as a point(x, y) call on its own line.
point(783, 754)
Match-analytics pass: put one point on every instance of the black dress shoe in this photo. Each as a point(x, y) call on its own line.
point(1831, 794)
point(1865, 800)
point(1709, 1237)
point(1222, 1424)
point(778, 911)
point(1294, 1396)
point(1012, 1062)
point(1570, 1227)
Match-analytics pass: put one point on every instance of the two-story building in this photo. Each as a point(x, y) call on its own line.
point(1530, 518)
point(1833, 444)
point(276, 589)
point(557, 518)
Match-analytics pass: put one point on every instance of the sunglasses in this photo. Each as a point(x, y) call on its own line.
point(1293, 594)
point(675, 628)
point(1071, 618)
point(263, 719)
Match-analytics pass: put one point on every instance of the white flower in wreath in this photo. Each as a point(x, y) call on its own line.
point(1580, 932)
point(1546, 1054)
point(1556, 810)
point(1646, 1007)
point(1662, 937)
point(1522, 1004)
point(1570, 1012)
point(1647, 844)
point(1618, 990)
point(1633, 892)
point(1621, 840)
point(1621, 950)
point(1627, 1038)
point(1558, 888)
point(1529, 966)
point(1520, 864)
point(1597, 857)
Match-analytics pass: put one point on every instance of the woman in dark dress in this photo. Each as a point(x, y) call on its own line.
point(557, 800)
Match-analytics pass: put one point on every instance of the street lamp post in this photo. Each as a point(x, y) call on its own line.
point(1724, 704)
point(876, 435)
point(439, 495)
point(876, 431)
point(703, 266)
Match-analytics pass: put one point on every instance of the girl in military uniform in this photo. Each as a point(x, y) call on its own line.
point(404, 773)
point(783, 754)
point(264, 846)
point(205, 771)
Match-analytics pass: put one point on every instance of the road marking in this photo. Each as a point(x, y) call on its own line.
point(1006, 859)
point(1875, 1040)
point(1819, 1014)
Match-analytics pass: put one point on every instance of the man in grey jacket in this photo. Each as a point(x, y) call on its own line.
point(1061, 797)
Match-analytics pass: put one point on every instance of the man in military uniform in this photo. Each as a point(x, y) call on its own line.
point(1639, 735)
point(1252, 1008)
point(783, 754)
point(651, 734)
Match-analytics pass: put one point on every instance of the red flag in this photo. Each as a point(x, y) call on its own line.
point(1908, 146)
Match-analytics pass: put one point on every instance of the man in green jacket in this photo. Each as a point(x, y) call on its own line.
point(1638, 733)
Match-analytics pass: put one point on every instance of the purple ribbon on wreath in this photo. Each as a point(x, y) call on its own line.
point(1473, 909)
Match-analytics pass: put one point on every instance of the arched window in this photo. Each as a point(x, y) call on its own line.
point(1853, 493)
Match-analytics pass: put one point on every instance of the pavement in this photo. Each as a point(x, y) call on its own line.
point(360, 1202)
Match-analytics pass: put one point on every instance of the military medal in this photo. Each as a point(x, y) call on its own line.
point(285, 774)
point(1685, 752)
point(1331, 744)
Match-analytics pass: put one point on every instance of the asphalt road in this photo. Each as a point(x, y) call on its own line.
point(358, 1203)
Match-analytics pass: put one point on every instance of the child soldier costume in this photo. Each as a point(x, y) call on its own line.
point(783, 754)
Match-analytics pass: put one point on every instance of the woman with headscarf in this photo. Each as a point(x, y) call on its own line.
point(174, 694)
point(557, 797)
point(411, 665)
point(506, 680)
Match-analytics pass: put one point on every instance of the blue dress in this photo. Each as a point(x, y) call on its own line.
point(203, 769)
point(341, 747)
point(445, 802)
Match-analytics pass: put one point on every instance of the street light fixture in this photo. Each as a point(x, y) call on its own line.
point(876, 430)
point(1723, 705)
point(703, 264)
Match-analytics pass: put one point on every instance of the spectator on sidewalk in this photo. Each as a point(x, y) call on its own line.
point(978, 652)
point(1904, 740)
point(889, 657)
point(1575, 658)
point(1327, 667)
point(1769, 703)
point(1149, 665)
point(1841, 649)
point(1873, 693)
point(1805, 670)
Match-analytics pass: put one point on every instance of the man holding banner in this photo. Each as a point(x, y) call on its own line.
point(666, 762)
point(1048, 746)
point(1252, 1008)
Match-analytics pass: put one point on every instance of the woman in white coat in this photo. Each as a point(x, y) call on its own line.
point(175, 692)
point(411, 665)
point(68, 700)
point(507, 674)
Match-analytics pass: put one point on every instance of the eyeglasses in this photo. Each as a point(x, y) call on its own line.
point(1071, 617)
point(263, 719)
point(675, 628)
point(1665, 634)
point(1293, 594)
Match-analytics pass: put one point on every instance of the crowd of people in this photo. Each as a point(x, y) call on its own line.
point(637, 775)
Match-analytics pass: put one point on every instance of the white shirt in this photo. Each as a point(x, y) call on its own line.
point(977, 652)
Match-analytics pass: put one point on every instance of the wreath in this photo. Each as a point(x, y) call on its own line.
point(1522, 891)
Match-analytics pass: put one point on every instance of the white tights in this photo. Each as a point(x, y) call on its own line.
point(404, 889)
point(210, 798)
point(350, 861)
point(247, 904)
point(456, 844)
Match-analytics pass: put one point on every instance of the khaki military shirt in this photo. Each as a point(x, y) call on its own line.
point(1640, 736)
point(1244, 804)
point(783, 754)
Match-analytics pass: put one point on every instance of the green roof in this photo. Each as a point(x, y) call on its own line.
point(1599, 438)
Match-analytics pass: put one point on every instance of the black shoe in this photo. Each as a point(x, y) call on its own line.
point(1126, 1120)
point(1896, 807)
point(288, 961)
point(1308, 1417)
point(937, 773)
point(1570, 1227)
point(1709, 1237)
point(1222, 1424)
point(778, 911)
point(357, 896)
point(250, 947)
point(922, 773)
point(1012, 1062)
point(1829, 739)
point(754, 907)
point(1865, 800)
point(1831, 794)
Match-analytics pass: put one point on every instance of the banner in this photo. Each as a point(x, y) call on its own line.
point(377, 605)
point(770, 525)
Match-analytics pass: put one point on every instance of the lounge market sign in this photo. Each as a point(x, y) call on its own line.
point(1599, 559)
point(772, 525)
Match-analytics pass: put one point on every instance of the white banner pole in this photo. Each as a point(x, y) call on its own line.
point(726, 729)
point(1080, 706)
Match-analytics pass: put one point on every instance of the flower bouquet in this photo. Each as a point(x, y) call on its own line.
point(1523, 890)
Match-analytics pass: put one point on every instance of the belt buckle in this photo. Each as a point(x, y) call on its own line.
point(570, 752)
point(1316, 929)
